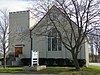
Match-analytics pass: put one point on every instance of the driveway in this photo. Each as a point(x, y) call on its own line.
point(95, 64)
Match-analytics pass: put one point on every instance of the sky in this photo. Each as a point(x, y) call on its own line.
point(15, 5)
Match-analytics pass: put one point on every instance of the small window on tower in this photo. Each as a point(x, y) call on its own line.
point(19, 29)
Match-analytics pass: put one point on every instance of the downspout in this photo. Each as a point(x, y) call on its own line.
point(31, 48)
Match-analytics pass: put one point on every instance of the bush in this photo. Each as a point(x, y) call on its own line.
point(50, 61)
point(82, 62)
point(26, 61)
point(60, 62)
point(70, 62)
point(42, 61)
point(54, 62)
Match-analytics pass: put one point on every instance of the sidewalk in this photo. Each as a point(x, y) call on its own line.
point(23, 74)
point(95, 64)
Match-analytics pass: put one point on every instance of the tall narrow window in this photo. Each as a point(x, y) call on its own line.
point(49, 44)
point(54, 43)
point(59, 44)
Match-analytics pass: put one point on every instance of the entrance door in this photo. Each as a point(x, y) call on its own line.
point(18, 50)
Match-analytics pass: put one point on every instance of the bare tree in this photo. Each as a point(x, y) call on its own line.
point(84, 14)
point(40, 8)
point(94, 43)
point(4, 25)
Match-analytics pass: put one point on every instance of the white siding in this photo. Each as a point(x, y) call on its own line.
point(19, 20)
point(40, 43)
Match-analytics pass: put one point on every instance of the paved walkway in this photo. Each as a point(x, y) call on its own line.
point(95, 64)
point(24, 74)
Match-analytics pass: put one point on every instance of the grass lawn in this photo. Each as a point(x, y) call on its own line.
point(91, 70)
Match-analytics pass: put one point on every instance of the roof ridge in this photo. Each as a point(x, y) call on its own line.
point(44, 16)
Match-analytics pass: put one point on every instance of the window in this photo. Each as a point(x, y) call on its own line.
point(54, 43)
point(19, 29)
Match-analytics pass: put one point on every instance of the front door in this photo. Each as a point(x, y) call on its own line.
point(18, 50)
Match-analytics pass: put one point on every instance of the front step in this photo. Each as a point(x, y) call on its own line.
point(17, 61)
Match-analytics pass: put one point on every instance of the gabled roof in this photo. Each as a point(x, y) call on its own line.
point(53, 7)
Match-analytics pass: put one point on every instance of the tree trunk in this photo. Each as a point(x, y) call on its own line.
point(77, 67)
point(4, 59)
point(76, 64)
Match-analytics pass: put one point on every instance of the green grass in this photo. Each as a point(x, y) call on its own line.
point(11, 70)
point(91, 70)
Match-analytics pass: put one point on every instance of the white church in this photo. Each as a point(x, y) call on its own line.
point(51, 50)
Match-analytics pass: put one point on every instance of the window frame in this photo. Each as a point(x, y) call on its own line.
point(51, 39)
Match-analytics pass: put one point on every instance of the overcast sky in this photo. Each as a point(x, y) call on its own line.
point(15, 5)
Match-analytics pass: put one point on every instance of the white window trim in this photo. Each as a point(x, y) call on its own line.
point(51, 49)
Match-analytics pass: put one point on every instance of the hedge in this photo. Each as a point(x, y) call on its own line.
point(54, 62)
